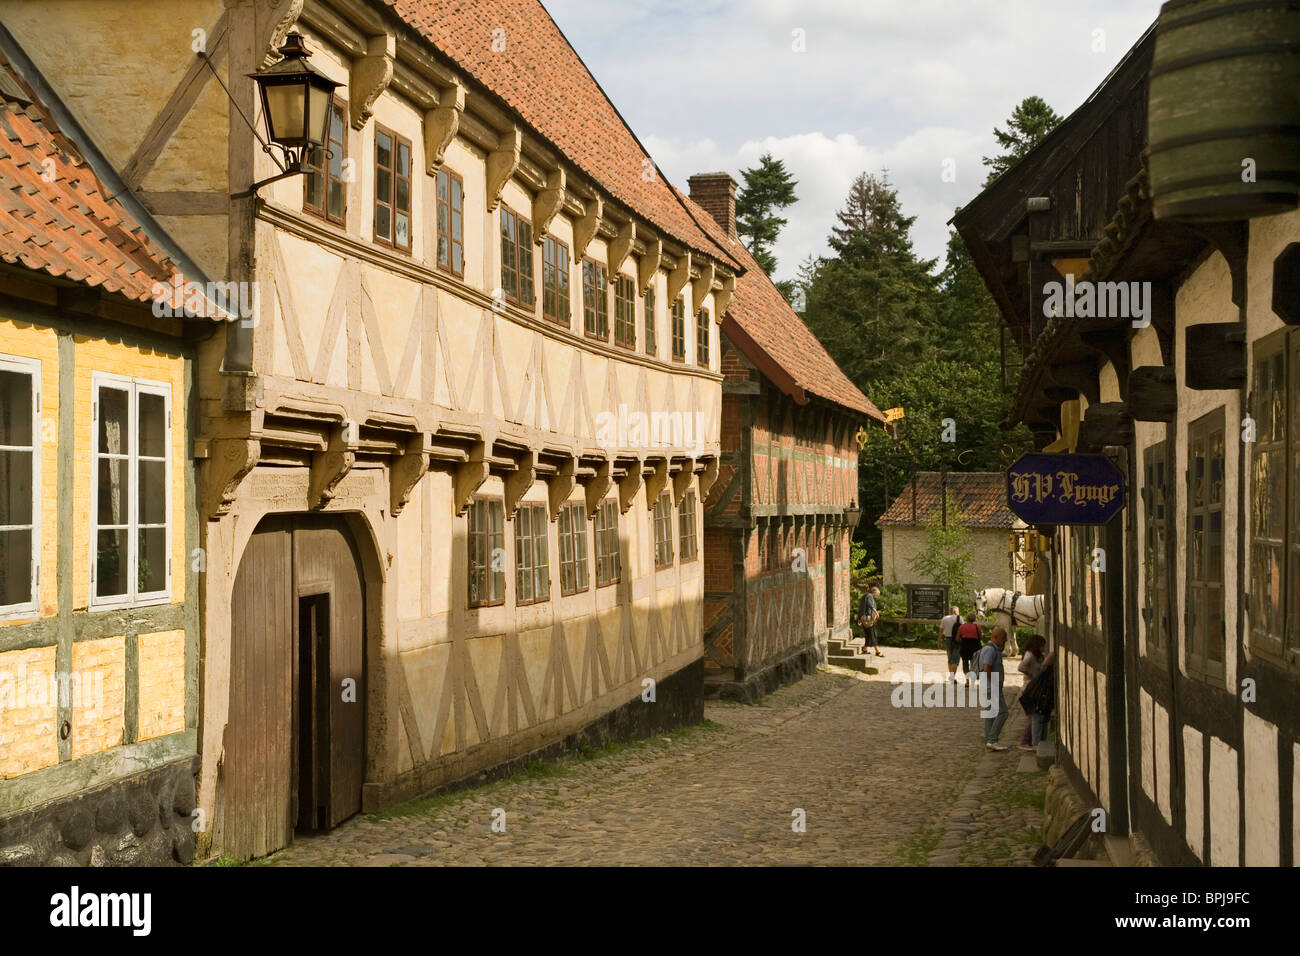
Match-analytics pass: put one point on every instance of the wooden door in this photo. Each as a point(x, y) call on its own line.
point(830, 588)
point(327, 581)
point(295, 738)
point(256, 770)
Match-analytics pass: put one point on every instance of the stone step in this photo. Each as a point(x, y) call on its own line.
point(1046, 754)
point(1028, 764)
point(1069, 862)
point(858, 662)
point(1119, 851)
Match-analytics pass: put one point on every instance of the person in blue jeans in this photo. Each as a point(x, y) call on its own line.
point(989, 667)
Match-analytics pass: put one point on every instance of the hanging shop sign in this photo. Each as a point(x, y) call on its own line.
point(1065, 489)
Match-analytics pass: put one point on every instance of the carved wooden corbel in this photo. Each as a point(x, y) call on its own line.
point(598, 487)
point(405, 473)
point(330, 466)
point(701, 286)
point(470, 477)
point(517, 484)
point(284, 22)
point(501, 165)
point(682, 481)
point(708, 477)
point(370, 76)
point(619, 247)
point(547, 204)
point(229, 462)
point(722, 299)
point(560, 486)
point(629, 486)
point(678, 278)
point(441, 124)
point(649, 263)
point(585, 226)
point(654, 485)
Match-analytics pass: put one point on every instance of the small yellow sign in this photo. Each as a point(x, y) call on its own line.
point(893, 414)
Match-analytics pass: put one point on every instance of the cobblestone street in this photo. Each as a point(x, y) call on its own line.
point(878, 784)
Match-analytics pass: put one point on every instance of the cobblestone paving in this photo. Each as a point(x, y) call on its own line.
point(877, 785)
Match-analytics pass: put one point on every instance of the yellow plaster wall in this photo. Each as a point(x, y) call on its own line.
point(99, 355)
point(161, 676)
point(28, 711)
point(99, 704)
point(25, 340)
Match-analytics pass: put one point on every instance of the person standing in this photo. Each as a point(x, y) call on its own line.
point(868, 615)
point(990, 668)
point(1038, 698)
point(1031, 665)
point(948, 631)
point(968, 635)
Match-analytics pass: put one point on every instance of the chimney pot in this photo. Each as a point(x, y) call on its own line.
point(716, 194)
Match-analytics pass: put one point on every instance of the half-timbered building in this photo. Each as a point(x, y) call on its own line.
point(1175, 624)
point(451, 467)
point(779, 519)
point(99, 582)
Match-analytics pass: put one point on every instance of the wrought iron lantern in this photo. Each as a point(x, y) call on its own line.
point(295, 105)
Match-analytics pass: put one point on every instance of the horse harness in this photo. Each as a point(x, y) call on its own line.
point(1014, 614)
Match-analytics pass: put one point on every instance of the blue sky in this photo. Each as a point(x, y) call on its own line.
point(903, 85)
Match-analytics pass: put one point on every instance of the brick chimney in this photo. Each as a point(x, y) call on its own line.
point(716, 193)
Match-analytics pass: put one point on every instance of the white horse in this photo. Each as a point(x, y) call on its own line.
point(1012, 609)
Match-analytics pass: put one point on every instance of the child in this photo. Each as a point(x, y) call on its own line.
point(1031, 665)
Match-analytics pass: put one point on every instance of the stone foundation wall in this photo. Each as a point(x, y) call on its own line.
point(788, 670)
point(141, 820)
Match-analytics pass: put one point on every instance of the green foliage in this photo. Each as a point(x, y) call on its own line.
point(948, 553)
point(892, 602)
point(1027, 126)
point(873, 303)
point(768, 188)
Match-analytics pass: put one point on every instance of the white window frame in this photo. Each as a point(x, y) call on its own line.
point(31, 367)
point(133, 387)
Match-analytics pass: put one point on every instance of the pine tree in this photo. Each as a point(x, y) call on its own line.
point(768, 188)
point(1027, 126)
point(872, 302)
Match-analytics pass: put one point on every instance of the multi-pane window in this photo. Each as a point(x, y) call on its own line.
point(686, 542)
point(516, 258)
point(607, 559)
point(1156, 564)
point(1205, 504)
point(1274, 590)
point(702, 332)
point(392, 189)
point(651, 330)
point(131, 488)
point(679, 330)
point(324, 191)
point(20, 482)
point(555, 281)
point(487, 555)
point(451, 222)
point(595, 300)
point(663, 522)
point(573, 549)
point(624, 312)
point(532, 574)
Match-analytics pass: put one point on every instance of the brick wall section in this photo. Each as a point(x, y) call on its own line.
point(99, 698)
point(28, 711)
point(716, 194)
point(162, 683)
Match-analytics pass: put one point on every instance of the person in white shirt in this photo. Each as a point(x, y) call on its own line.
point(948, 631)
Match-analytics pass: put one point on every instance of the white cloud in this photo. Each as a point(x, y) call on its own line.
point(901, 84)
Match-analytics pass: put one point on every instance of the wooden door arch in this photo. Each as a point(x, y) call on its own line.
point(294, 744)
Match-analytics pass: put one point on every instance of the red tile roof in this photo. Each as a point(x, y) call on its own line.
point(57, 217)
point(761, 323)
point(982, 496)
point(542, 79)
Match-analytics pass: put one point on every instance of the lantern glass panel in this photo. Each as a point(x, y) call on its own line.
point(318, 115)
point(284, 108)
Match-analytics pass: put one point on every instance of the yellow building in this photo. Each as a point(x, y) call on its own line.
point(451, 463)
point(98, 616)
